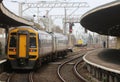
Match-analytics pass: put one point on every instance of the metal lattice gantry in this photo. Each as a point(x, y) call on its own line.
point(69, 19)
point(53, 4)
point(50, 4)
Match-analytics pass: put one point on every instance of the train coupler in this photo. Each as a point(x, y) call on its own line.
point(22, 61)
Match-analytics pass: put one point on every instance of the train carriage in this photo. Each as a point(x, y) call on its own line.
point(61, 41)
point(45, 43)
point(28, 47)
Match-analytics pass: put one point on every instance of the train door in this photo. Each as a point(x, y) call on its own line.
point(22, 45)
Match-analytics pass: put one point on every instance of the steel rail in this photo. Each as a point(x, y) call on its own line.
point(31, 77)
point(60, 68)
point(10, 77)
point(77, 73)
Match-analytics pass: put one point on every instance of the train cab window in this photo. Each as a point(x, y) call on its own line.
point(32, 34)
point(13, 40)
point(32, 42)
point(13, 33)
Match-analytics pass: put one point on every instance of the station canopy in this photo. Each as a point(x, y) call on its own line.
point(9, 19)
point(104, 19)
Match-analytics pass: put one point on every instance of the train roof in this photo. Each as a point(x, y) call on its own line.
point(103, 19)
point(43, 32)
point(58, 34)
point(39, 31)
point(18, 27)
point(61, 36)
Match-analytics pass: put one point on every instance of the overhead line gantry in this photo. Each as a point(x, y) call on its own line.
point(51, 4)
point(54, 4)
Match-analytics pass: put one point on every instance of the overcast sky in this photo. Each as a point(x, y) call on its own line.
point(92, 4)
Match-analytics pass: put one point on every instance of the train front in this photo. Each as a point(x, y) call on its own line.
point(22, 48)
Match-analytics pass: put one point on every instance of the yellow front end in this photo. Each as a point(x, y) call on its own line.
point(23, 48)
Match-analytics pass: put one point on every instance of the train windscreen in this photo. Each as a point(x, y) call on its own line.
point(32, 40)
point(13, 40)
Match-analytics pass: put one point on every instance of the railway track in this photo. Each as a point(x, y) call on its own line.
point(15, 77)
point(72, 77)
point(49, 71)
point(31, 77)
point(10, 77)
point(76, 71)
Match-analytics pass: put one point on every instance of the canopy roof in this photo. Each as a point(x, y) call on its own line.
point(9, 19)
point(104, 19)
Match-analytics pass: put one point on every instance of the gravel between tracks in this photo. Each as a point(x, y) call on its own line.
point(68, 74)
point(47, 74)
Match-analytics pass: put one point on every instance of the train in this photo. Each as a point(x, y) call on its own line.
point(28, 47)
point(81, 43)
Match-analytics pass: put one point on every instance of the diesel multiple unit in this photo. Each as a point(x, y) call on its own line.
point(28, 47)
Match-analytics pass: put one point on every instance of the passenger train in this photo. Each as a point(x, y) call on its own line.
point(28, 47)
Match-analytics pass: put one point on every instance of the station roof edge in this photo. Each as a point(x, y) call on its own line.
point(103, 19)
point(14, 20)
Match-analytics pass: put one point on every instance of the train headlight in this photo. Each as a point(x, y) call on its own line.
point(32, 50)
point(14, 50)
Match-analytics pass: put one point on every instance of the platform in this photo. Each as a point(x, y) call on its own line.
point(107, 59)
point(3, 58)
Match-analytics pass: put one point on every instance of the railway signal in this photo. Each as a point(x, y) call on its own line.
point(70, 27)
